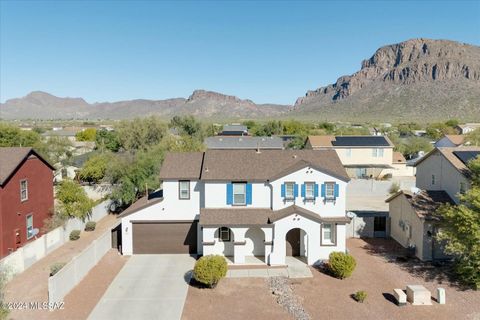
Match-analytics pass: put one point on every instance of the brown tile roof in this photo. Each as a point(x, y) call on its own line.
point(268, 164)
point(257, 216)
point(321, 141)
point(12, 157)
point(398, 157)
point(452, 158)
point(425, 203)
point(456, 139)
point(182, 165)
point(142, 203)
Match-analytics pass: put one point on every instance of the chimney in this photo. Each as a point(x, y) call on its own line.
point(258, 147)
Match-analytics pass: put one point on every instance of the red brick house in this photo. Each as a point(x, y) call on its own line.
point(26, 196)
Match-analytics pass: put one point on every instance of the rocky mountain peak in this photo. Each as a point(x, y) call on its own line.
point(215, 96)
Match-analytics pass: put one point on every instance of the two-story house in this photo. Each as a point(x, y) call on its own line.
point(26, 197)
point(442, 175)
point(241, 203)
point(363, 156)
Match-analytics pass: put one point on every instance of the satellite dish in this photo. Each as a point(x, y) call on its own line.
point(35, 231)
point(351, 214)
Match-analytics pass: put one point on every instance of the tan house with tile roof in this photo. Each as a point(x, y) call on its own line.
point(363, 156)
point(446, 169)
point(413, 221)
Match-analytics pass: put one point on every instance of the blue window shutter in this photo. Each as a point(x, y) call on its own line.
point(315, 190)
point(323, 190)
point(295, 190)
point(249, 193)
point(303, 190)
point(229, 193)
point(283, 190)
point(336, 190)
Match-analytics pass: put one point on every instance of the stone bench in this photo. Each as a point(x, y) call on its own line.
point(400, 296)
point(418, 295)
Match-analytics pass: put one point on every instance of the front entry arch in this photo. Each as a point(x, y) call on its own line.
point(293, 242)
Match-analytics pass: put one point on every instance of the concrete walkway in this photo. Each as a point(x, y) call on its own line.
point(295, 269)
point(148, 287)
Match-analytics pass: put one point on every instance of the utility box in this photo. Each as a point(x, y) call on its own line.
point(441, 295)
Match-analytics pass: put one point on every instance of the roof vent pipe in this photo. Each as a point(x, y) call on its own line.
point(258, 147)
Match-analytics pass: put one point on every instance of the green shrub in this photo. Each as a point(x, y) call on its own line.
point(75, 235)
point(360, 296)
point(341, 265)
point(54, 268)
point(3, 313)
point(90, 226)
point(210, 269)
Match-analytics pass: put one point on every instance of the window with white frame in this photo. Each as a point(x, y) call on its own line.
point(330, 190)
point(377, 152)
point(23, 190)
point(289, 190)
point(29, 226)
point(328, 234)
point(239, 194)
point(184, 190)
point(348, 152)
point(463, 188)
point(309, 190)
point(224, 234)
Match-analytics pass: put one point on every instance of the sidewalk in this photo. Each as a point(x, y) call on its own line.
point(32, 284)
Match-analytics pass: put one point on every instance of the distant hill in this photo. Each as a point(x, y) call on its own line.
point(203, 104)
point(415, 80)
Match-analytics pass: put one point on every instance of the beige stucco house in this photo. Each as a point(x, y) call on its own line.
point(413, 222)
point(363, 156)
point(446, 169)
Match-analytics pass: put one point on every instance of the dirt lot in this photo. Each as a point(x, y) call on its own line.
point(327, 298)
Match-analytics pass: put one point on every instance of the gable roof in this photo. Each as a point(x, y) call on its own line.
point(398, 157)
point(182, 165)
point(241, 165)
point(243, 142)
point(449, 154)
point(349, 141)
point(143, 203)
point(456, 139)
point(11, 159)
point(425, 202)
point(234, 127)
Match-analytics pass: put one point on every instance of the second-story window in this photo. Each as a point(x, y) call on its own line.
point(433, 179)
point(348, 152)
point(289, 190)
point(330, 190)
point(309, 190)
point(184, 190)
point(239, 194)
point(23, 190)
point(463, 189)
point(377, 152)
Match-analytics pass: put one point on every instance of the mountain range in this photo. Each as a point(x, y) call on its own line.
point(415, 80)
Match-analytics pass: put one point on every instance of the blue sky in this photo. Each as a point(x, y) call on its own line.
point(265, 51)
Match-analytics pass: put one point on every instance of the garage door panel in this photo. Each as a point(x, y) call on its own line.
point(164, 237)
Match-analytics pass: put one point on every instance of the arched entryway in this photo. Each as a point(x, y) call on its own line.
point(293, 242)
point(255, 242)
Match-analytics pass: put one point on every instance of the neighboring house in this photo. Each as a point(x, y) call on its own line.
point(413, 223)
point(450, 140)
point(234, 130)
point(244, 142)
point(69, 134)
point(446, 169)
point(26, 196)
point(362, 156)
point(467, 127)
point(368, 224)
point(243, 203)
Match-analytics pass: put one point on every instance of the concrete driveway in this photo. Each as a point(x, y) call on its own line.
point(147, 287)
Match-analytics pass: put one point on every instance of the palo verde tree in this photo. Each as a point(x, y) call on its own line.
point(460, 229)
point(74, 202)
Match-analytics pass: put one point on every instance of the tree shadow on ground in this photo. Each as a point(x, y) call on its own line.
point(393, 252)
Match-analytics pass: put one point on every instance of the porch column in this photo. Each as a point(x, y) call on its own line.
point(239, 244)
point(208, 241)
point(268, 232)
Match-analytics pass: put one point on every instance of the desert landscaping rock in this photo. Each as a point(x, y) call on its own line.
point(281, 288)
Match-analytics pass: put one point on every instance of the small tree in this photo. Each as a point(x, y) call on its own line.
point(74, 202)
point(88, 134)
point(94, 168)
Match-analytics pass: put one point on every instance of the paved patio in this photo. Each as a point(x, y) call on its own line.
point(254, 267)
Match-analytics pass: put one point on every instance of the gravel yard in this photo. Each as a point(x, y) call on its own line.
point(324, 297)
